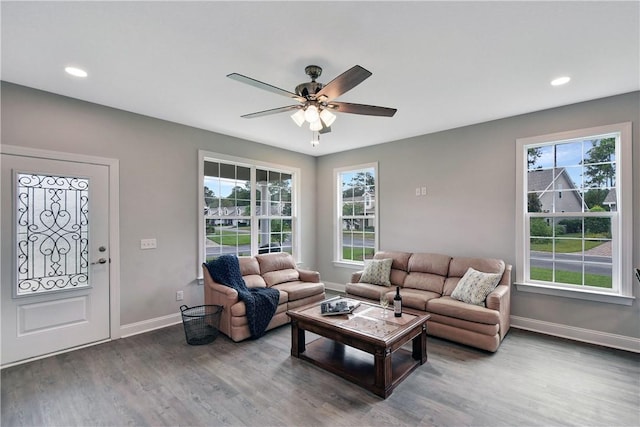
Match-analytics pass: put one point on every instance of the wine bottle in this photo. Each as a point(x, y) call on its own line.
point(397, 303)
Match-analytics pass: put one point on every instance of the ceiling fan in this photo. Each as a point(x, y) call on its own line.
point(316, 101)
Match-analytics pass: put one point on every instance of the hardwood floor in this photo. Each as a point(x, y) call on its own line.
point(157, 379)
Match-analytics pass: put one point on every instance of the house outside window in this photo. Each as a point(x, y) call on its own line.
point(248, 207)
point(573, 233)
point(356, 214)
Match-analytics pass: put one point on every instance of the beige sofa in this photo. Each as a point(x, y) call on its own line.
point(297, 287)
point(426, 282)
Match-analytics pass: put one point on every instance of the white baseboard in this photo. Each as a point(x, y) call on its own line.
point(149, 325)
point(338, 287)
point(577, 334)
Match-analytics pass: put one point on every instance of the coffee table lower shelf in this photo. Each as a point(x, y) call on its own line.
point(356, 365)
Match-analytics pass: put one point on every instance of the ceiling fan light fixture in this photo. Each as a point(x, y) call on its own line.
point(298, 117)
point(315, 141)
point(327, 117)
point(311, 114)
point(316, 125)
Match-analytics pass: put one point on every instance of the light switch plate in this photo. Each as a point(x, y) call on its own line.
point(148, 244)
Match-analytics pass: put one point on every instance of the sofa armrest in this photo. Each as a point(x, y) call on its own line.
point(309, 276)
point(355, 277)
point(221, 294)
point(500, 299)
point(216, 293)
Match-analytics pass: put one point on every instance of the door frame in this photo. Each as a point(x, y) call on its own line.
point(113, 166)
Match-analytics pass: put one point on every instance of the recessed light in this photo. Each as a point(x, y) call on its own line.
point(560, 81)
point(76, 72)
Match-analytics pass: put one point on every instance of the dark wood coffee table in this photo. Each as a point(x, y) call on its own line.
point(348, 341)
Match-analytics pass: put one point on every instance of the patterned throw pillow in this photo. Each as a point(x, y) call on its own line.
point(377, 271)
point(475, 285)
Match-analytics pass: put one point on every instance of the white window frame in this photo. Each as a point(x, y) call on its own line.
point(203, 156)
point(337, 215)
point(622, 226)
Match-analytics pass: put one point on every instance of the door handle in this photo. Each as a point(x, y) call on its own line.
point(100, 261)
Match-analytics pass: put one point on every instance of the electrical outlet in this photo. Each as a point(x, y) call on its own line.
point(179, 295)
point(417, 191)
point(148, 244)
point(424, 191)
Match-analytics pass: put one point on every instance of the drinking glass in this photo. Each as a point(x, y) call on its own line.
point(384, 302)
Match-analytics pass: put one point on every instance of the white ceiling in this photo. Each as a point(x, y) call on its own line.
point(441, 64)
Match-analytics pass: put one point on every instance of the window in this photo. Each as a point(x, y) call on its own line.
point(356, 213)
point(574, 215)
point(248, 207)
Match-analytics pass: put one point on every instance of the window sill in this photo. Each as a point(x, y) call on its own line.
point(352, 265)
point(576, 294)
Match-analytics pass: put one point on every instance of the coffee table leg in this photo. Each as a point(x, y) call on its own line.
point(298, 344)
point(383, 371)
point(420, 346)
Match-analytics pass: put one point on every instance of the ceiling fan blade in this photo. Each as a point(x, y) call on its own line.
point(367, 110)
point(265, 86)
point(272, 111)
point(344, 82)
point(325, 129)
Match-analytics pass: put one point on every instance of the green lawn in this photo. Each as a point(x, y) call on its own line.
point(357, 254)
point(228, 237)
point(571, 278)
point(564, 245)
point(366, 234)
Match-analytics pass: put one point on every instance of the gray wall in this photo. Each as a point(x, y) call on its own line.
point(469, 209)
point(158, 187)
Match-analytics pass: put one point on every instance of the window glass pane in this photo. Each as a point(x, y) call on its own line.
point(598, 275)
point(569, 154)
point(597, 227)
point(243, 173)
point(52, 232)
point(540, 157)
point(540, 227)
point(211, 169)
point(574, 175)
point(600, 166)
point(540, 269)
point(227, 236)
point(568, 272)
point(227, 171)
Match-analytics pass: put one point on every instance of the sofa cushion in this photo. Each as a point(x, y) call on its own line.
point(429, 263)
point(254, 281)
point(448, 306)
point(275, 261)
point(424, 281)
point(413, 298)
point(280, 276)
point(248, 265)
point(366, 290)
point(239, 309)
point(377, 271)
point(400, 259)
point(459, 266)
point(299, 290)
point(475, 285)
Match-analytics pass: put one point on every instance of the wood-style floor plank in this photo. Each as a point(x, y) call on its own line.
point(156, 379)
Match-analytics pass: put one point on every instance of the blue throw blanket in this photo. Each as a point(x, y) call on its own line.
point(261, 303)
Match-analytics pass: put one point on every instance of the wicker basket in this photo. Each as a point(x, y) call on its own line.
point(201, 323)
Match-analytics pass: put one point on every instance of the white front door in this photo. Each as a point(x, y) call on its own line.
point(55, 256)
